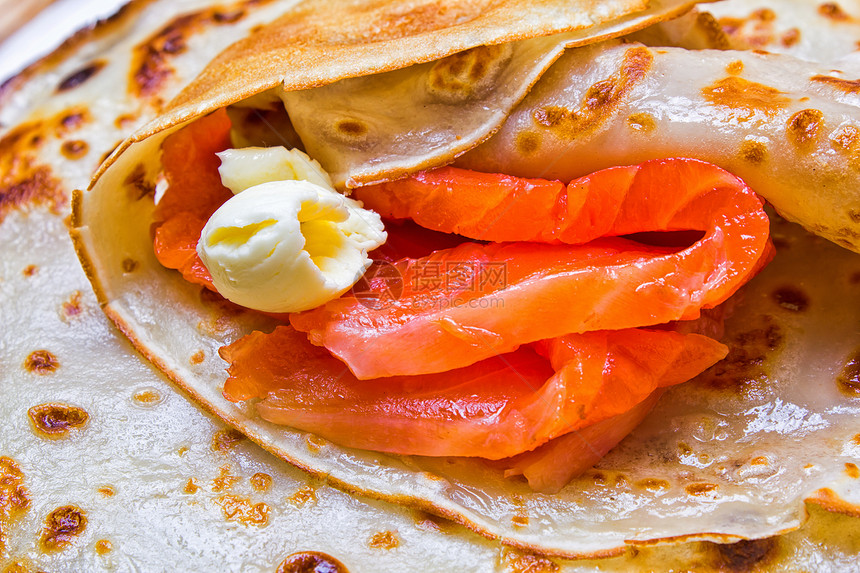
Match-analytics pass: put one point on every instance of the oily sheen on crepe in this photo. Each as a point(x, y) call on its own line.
point(696, 492)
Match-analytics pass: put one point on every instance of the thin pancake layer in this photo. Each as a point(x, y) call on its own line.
point(721, 491)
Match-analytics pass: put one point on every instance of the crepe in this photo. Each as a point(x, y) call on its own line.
point(818, 32)
point(70, 328)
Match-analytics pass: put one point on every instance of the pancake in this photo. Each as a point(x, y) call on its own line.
point(732, 469)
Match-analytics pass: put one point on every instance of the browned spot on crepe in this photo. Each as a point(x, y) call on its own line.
point(62, 527)
point(846, 86)
point(384, 540)
point(241, 509)
point(600, 100)
point(745, 98)
point(80, 76)
point(14, 497)
point(804, 126)
point(41, 362)
point(152, 60)
point(311, 562)
point(56, 420)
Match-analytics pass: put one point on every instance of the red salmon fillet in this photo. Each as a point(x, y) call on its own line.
point(548, 290)
point(494, 409)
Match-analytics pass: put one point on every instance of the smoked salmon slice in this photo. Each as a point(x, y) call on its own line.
point(462, 305)
point(497, 408)
point(524, 349)
point(551, 466)
point(194, 192)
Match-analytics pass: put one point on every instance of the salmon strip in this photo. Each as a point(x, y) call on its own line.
point(551, 466)
point(494, 409)
point(462, 305)
point(194, 192)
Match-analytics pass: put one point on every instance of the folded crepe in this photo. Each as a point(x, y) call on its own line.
point(729, 468)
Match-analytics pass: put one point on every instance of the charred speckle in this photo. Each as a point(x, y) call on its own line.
point(190, 487)
point(791, 298)
point(847, 86)
point(833, 11)
point(62, 526)
point(41, 362)
point(753, 151)
point(847, 243)
point(384, 540)
point(198, 357)
point(746, 364)
point(764, 15)
point(311, 562)
point(138, 184)
point(520, 520)
point(466, 73)
point(72, 121)
point(129, 265)
point(147, 397)
point(745, 98)
point(241, 509)
point(790, 37)
point(75, 79)
point(652, 484)
point(551, 116)
point(351, 128)
point(74, 149)
point(527, 142)
point(261, 482)
point(38, 186)
point(72, 307)
point(803, 126)
point(644, 122)
point(302, 496)
point(226, 439)
point(14, 497)
point(55, 419)
point(124, 120)
point(152, 66)
point(600, 100)
point(225, 480)
point(701, 488)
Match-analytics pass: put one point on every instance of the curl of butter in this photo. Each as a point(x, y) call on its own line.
point(286, 245)
point(250, 166)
